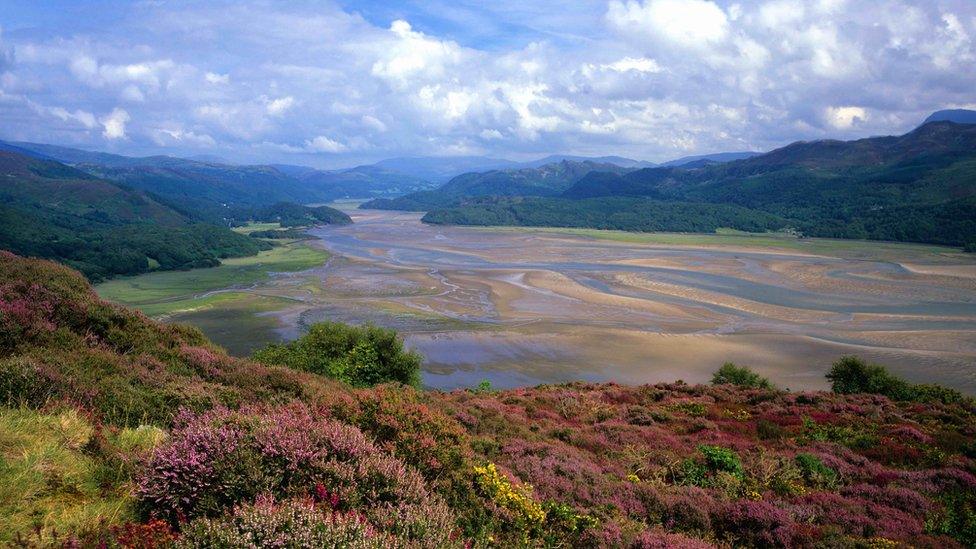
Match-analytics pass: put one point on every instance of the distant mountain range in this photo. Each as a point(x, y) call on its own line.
point(918, 187)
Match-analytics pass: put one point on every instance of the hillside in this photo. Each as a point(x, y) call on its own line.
point(206, 190)
point(119, 431)
point(919, 187)
point(101, 228)
point(546, 180)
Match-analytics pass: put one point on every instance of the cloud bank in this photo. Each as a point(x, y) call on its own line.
point(334, 84)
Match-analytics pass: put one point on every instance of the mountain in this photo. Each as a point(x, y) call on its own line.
point(364, 182)
point(959, 116)
point(705, 159)
point(118, 431)
point(547, 180)
point(918, 187)
point(439, 169)
point(207, 189)
point(48, 209)
point(615, 160)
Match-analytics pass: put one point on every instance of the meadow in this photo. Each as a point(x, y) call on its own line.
point(163, 293)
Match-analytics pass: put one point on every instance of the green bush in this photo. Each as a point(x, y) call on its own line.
point(851, 374)
point(740, 376)
point(815, 472)
point(361, 356)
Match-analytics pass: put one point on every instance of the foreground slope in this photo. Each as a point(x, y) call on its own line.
point(93, 394)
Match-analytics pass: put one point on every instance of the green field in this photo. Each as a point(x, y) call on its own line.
point(254, 226)
point(848, 249)
point(162, 293)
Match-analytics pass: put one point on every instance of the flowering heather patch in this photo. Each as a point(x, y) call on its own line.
point(222, 459)
point(60, 342)
point(266, 456)
point(782, 469)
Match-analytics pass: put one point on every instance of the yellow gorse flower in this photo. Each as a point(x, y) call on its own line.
point(517, 498)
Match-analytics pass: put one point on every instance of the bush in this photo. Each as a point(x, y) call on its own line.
point(815, 472)
point(970, 247)
point(851, 374)
point(740, 376)
point(362, 356)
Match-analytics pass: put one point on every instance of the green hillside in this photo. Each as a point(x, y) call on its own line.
point(103, 229)
point(919, 187)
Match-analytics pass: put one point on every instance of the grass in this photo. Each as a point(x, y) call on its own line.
point(255, 226)
point(50, 485)
point(232, 320)
point(852, 249)
point(170, 291)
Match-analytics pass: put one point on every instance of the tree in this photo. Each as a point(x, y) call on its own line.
point(740, 376)
point(361, 356)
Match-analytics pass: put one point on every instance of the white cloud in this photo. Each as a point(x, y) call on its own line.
point(414, 55)
point(323, 144)
point(373, 123)
point(845, 117)
point(214, 78)
point(85, 118)
point(636, 64)
point(114, 124)
point(642, 78)
point(690, 23)
point(277, 107)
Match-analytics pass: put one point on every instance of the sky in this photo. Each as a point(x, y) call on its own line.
point(333, 84)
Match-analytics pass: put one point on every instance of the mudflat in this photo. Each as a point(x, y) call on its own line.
point(526, 306)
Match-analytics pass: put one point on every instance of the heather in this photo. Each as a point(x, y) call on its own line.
point(117, 431)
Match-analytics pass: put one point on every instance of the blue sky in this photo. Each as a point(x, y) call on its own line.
point(339, 83)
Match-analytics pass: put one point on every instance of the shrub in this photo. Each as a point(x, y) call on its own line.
point(222, 459)
point(293, 523)
point(740, 376)
point(850, 374)
point(815, 472)
point(361, 356)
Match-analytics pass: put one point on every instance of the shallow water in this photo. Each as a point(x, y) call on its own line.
point(524, 307)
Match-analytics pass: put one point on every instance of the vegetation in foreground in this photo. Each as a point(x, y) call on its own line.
point(119, 431)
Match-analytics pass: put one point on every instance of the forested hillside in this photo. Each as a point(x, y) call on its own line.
point(103, 229)
point(919, 187)
point(545, 180)
point(117, 431)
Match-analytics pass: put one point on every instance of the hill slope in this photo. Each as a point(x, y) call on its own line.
point(917, 187)
point(546, 180)
point(94, 448)
point(103, 229)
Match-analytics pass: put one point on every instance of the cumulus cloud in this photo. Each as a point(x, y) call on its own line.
point(690, 23)
point(651, 79)
point(324, 144)
point(114, 124)
point(845, 117)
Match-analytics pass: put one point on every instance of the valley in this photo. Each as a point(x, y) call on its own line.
point(526, 306)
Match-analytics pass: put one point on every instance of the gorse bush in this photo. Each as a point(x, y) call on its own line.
point(739, 376)
point(360, 356)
